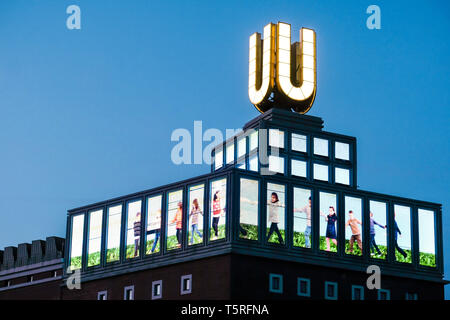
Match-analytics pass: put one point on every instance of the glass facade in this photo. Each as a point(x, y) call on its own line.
point(309, 207)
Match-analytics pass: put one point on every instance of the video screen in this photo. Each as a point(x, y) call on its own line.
point(378, 229)
point(195, 214)
point(248, 215)
point(302, 218)
point(217, 211)
point(427, 244)
point(94, 237)
point(153, 230)
point(328, 222)
point(133, 233)
point(114, 223)
point(353, 226)
point(402, 233)
point(174, 229)
point(76, 244)
point(276, 213)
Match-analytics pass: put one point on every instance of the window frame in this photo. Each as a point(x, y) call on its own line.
point(356, 287)
point(128, 289)
point(415, 296)
point(386, 291)
point(266, 239)
point(105, 250)
point(209, 218)
point(104, 293)
point(181, 188)
point(273, 276)
point(259, 214)
point(313, 167)
point(204, 217)
point(88, 234)
point(291, 134)
point(188, 290)
point(335, 290)
point(145, 224)
point(308, 287)
point(125, 229)
point(160, 284)
point(314, 147)
point(83, 242)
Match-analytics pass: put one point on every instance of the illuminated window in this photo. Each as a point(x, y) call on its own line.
point(217, 209)
point(321, 147)
point(249, 210)
point(242, 164)
point(276, 164)
point(298, 142)
point(218, 159)
point(253, 140)
point(353, 226)
point(276, 138)
point(357, 293)
point(253, 163)
point(94, 237)
point(298, 168)
point(186, 284)
point(76, 243)
point(153, 231)
point(128, 293)
point(156, 289)
point(378, 230)
point(276, 212)
point(302, 218)
point(328, 221)
point(230, 152)
point(195, 214)
point(113, 233)
point(320, 172)
point(342, 151)
point(331, 290)
point(133, 232)
point(303, 287)
point(276, 283)
point(174, 221)
point(402, 233)
point(342, 176)
point(242, 146)
point(427, 246)
point(384, 294)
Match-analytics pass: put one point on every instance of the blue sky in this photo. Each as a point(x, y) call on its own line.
point(87, 115)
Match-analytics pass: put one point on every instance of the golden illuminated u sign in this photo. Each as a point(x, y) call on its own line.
point(281, 74)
